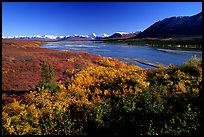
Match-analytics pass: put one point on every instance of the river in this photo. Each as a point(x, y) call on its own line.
point(143, 56)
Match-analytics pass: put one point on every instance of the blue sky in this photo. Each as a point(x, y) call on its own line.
point(68, 18)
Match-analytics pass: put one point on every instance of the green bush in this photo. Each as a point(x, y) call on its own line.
point(48, 78)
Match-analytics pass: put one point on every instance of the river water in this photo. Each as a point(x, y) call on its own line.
point(143, 56)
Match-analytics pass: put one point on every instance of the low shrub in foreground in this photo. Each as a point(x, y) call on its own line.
point(108, 101)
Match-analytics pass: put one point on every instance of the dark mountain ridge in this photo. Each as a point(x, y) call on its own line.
point(175, 26)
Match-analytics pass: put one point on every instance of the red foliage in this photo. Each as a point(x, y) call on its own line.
point(21, 68)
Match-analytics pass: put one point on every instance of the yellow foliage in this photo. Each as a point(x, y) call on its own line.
point(106, 63)
point(181, 87)
point(71, 59)
point(98, 82)
point(89, 87)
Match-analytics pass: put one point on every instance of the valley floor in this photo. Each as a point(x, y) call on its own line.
point(94, 95)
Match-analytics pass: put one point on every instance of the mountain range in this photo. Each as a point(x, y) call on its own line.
point(168, 27)
point(93, 36)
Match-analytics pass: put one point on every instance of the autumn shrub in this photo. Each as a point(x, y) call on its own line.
point(46, 113)
point(192, 66)
point(102, 89)
point(106, 63)
point(108, 101)
point(180, 90)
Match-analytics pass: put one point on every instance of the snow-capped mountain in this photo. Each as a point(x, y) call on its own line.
point(21, 37)
point(104, 35)
point(123, 35)
point(49, 37)
point(60, 37)
point(37, 36)
point(7, 37)
point(92, 36)
point(175, 26)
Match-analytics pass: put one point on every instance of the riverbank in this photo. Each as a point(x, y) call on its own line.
point(21, 59)
point(104, 100)
point(146, 56)
point(191, 43)
point(131, 61)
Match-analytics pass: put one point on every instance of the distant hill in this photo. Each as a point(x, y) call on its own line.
point(121, 35)
point(175, 26)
